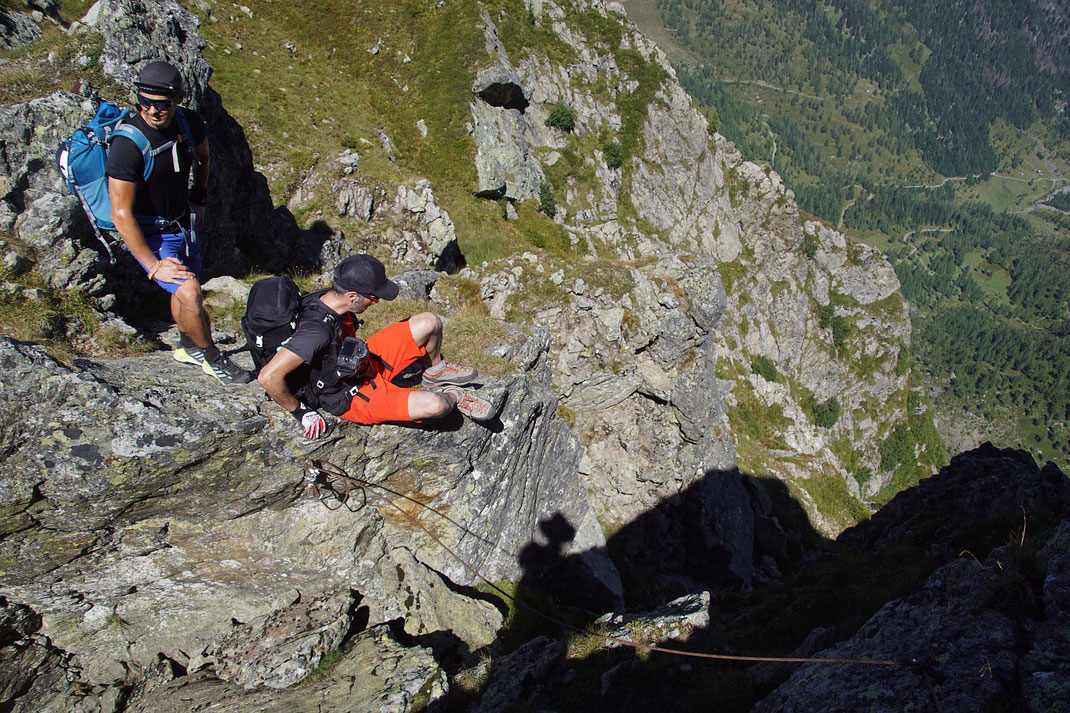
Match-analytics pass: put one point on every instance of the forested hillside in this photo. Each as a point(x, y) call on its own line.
point(936, 132)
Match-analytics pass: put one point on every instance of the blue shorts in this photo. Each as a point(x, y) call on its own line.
point(176, 245)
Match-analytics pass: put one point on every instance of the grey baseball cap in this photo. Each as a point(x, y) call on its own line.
point(159, 78)
point(366, 275)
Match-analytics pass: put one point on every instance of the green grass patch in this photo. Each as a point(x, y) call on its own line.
point(764, 367)
point(732, 273)
point(824, 413)
point(562, 117)
point(60, 319)
point(756, 421)
point(55, 62)
point(833, 500)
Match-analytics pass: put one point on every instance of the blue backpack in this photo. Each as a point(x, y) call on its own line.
point(83, 156)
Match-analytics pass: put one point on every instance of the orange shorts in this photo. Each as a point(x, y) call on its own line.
point(379, 400)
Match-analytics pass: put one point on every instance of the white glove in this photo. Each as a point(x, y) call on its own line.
point(312, 424)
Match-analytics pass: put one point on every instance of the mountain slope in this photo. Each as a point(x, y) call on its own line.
point(686, 362)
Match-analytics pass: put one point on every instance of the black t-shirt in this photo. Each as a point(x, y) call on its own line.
point(166, 194)
point(312, 342)
point(314, 335)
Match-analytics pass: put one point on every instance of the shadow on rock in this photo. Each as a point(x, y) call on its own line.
point(806, 594)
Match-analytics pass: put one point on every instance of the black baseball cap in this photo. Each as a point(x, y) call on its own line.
point(159, 78)
point(366, 275)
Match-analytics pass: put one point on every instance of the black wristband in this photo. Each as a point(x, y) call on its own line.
point(300, 411)
point(198, 195)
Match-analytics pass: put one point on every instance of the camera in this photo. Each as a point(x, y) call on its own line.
point(351, 355)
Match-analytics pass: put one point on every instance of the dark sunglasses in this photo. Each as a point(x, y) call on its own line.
point(371, 298)
point(160, 105)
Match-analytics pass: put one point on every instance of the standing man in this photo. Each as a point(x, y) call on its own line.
point(159, 218)
point(310, 371)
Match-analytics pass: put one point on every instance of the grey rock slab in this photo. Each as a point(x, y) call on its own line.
point(429, 607)
point(868, 282)
point(147, 509)
point(17, 29)
point(510, 675)
point(674, 621)
point(225, 291)
point(284, 647)
point(375, 674)
point(504, 164)
point(352, 199)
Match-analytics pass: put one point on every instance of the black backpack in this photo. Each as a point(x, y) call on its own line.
point(271, 315)
point(274, 309)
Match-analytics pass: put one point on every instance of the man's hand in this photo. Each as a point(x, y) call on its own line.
point(172, 271)
point(312, 424)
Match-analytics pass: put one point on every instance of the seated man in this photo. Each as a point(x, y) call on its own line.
point(310, 371)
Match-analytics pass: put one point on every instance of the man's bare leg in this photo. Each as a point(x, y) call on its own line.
point(187, 307)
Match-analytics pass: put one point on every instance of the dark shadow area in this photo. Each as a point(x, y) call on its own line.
point(241, 231)
point(308, 254)
point(722, 533)
point(790, 592)
point(451, 261)
point(550, 570)
point(507, 95)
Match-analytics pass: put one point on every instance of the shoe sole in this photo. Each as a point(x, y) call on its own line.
point(207, 369)
point(492, 412)
point(183, 357)
point(433, 382)
point(479, 419)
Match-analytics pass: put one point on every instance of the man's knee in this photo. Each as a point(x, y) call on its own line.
point(189, 295)
point(428, 404)
point(424, 326)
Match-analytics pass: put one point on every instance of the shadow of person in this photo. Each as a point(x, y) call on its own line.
point(714, 535)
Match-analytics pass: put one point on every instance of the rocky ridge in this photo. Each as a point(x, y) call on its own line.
point(172, 499)
point(989, 627)
point(151, 520)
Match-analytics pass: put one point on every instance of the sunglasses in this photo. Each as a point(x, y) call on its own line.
point(371, 298)
point(160, 105)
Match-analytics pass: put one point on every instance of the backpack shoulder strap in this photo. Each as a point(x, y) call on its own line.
point(185, 130)
point(183, 125)
point(135, 134)
point(312, 303)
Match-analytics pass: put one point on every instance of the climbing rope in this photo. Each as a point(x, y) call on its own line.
point(330, 481)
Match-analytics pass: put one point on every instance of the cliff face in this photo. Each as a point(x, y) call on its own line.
point(989, 624)
point(155, 527)
point(731, 274)
point(147, 519)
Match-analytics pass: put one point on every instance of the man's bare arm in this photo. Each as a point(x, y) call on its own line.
point(273, 377)
point(122, 195)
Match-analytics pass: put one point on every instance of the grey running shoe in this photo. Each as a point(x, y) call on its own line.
point(193, 355)
point(226, 371)
point(472, 406)
point(447, 372)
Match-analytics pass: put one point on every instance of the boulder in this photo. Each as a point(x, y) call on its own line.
point(504, 164)
point(17, 29)
point(151, 516)
point(675, 621)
